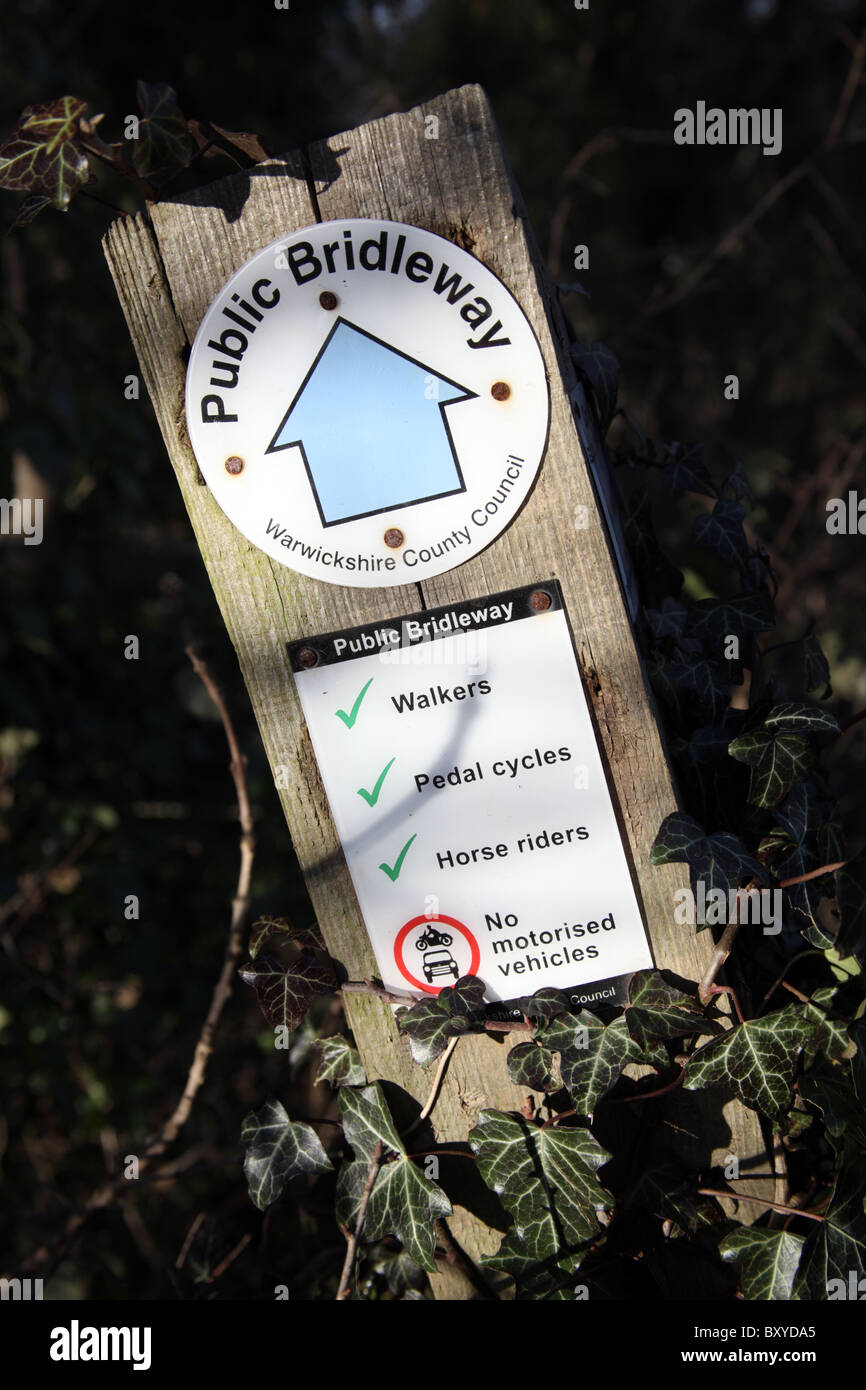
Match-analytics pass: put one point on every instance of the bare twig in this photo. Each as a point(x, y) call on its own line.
point(114, 1189)
point(240, 908)
point(850, 85)
point(434, 1090)
point(747, 1197)
point(721, 951)
point(345, 1285)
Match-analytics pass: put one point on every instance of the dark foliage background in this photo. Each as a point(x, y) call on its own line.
point(113, 777)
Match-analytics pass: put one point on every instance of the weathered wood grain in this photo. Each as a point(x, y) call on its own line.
point(167, 270)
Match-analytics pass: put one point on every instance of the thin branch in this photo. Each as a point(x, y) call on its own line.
point(721, 951)
point(728, 989)
point(813, 873)
point(114, 1189)
point(345, 1285)
point(813, 951)
point(850, 85)
point(773, 1206)
point(434, 1090)
point(240, 909)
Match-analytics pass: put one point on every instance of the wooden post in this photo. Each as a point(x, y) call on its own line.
point(167, 267)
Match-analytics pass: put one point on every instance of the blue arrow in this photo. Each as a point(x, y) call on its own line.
point(371, 426)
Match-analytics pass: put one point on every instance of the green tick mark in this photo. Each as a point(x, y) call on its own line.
point(394, 873)
point(372, 797)
point(349, 719)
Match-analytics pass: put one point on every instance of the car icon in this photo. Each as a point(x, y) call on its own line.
point(439, 962)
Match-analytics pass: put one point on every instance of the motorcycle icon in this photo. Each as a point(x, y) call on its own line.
point(438, 960)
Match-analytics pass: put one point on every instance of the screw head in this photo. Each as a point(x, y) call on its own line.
point(539, 602)
point(500, 390)
point(394, 538)
point(234, 465)
point(328, 300)
point(307, 657)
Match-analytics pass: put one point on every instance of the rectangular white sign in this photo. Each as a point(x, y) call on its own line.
point(460, 762)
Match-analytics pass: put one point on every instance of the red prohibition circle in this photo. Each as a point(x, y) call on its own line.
point(424, 920)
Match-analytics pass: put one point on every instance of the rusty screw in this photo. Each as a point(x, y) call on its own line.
point(394, 538)
point(234, 465)
point(500, 390)
point(307, 657)
point(328, 300)
point(539, 602)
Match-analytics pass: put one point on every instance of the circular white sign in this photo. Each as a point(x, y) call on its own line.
point(367, 402)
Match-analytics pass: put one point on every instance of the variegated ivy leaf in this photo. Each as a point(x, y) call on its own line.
point(403, 1202)
point(834, 1096)
point(278, 1149)
point(538, 1281)
point(777, 761)
point(340, 1063)
point(797, 718)
point(592, 1056)
point(834, 1256)
point(285, 992)
point(546, 1178)
point(755, 1060)
point(367, 1121)
point(431, 1023)
point(768, 1261)
point(41, 156)
point(829, 1035)
point(657, 1011)
point(530, 1064)
point(720, 860)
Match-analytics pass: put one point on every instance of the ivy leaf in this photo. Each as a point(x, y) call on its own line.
point(837, 1249)
point(278, 1149)
point(339, 1062)
point(714, 619)
point(687, 471)
point(828, 1035)
point(430, 1023)
point(546, 1179)
point(264, 929)
point(670, 620)
point(768, 1261)
point(530, 1064)
point(164, 144)
point(851, 901)
point(544, 1003)
point(592, 1056)
point(776, 760)
point(538, 1281)
point(722, 530)
point(367, 1122)
point(657, 1011)
point(30, 208)
point(755, 1060)
point(738, 483)
point(41, 157)
point(709, 680)
point(285, 992)
point(402, 1201)
point(601, 369)
point(719, 860)
point(796, 718)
